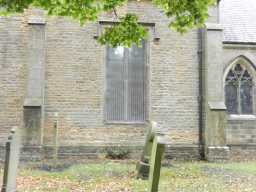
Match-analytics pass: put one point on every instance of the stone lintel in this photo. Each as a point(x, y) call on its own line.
point(36, 21)
point(213, 27)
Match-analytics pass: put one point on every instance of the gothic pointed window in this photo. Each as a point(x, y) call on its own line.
point(239, 91)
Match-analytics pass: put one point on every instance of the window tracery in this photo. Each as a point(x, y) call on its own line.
point(239, 90)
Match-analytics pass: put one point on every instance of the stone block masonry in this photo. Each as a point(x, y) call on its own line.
point(72, 83)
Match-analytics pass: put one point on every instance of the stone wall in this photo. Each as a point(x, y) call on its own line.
point(242, 152)
point(12, 73)
point(75, 80)
point(241, 129)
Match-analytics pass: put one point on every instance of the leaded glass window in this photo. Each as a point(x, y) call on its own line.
point(239, 91)
point(126, 78)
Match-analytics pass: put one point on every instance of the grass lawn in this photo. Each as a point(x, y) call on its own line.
point(110, 176)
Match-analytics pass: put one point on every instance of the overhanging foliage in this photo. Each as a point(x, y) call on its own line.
point(183, 14)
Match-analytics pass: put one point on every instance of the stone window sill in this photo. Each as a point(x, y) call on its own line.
point(242, 117)
point(125, 123)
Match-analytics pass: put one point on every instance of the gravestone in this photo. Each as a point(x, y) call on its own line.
point(144, 165)
point(155, 163)
point(11, 161)
point(150, 163)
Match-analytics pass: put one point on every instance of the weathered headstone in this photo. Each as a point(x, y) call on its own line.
point(11, 161)
point(155, 163)
point(143, 166)
point(150, 163)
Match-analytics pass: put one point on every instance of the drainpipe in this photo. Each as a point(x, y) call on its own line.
point(200, 94)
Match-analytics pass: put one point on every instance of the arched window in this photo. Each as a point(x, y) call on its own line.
point(239, 90)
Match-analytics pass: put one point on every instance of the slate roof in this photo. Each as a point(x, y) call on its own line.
point(238, 17)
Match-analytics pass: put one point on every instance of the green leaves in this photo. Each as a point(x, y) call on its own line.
point(186, 14)
point(14, 5)
point(183, 14)
point(112, 4)
point(125, 33)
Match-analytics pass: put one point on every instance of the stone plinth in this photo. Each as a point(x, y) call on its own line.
point(217, 153)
